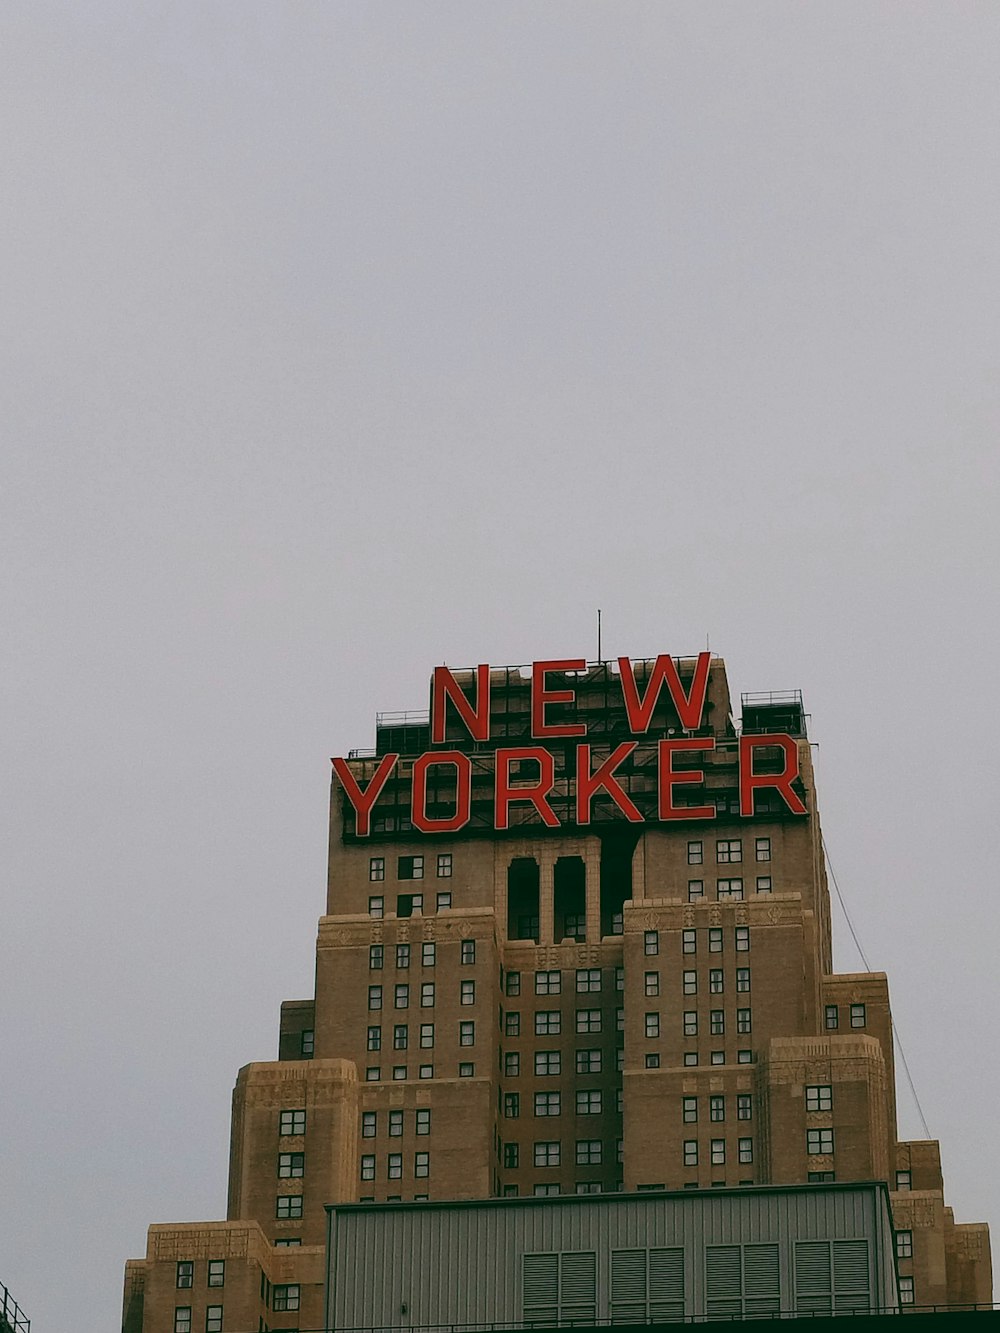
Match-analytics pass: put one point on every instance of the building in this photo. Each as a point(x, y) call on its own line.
point(585, 1260)
point(577, 941)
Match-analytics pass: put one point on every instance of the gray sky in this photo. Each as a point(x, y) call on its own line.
point(342, 340)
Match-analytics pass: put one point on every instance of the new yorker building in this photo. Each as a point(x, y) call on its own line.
point(577, 941)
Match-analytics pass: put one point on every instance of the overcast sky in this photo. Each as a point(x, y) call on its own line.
point(340, 340)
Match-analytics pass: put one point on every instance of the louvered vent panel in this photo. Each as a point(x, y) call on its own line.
point(850, 1266)
point(666, 1285)
point(541, 1288)
point(812, 1268)
point(578, 1287)
point(722, 1272)
point(760, 1279)
point(628, 1277)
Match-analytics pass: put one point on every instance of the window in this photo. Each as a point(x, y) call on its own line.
point(695, 854)
point(651, 942)
point(402, 955)
point(421, 1165)
point(588, 1062)
point(690, 1110)
point(394, 1166)
point(543, 1191)
point(588, 1102)
point(906, 1291)
point(857, 1016)
point(512, 1023)
point(819, 1142)
point(588, 1152)
point(717, 1057)
point(547, 1062)
point(690, 1057)
point(511, 1105)
point(619, 1020)
point(444, 865)
point(652, 983)
point(743, 1021)
point(588, 1187)
point(512, 983)
point(374, 1038)
point(619, 1100)
point(717, 1023)
point(728, 888)
point(288, 1205)
point(653, 1060)
point(588, 979)
point(443, 902)
point(511, 1154)
point(395, 1124)
point(466, 1070)
point(831, 1019)
point(728, 850)
point(291, 1165)
point(374, 997)
point(376, 908)
point(588, 1020)
point(715, 940)
point(376, 868)
point(185, 1273)
point(376, 953)
point(399, 1072)
point(410, 867)
point(369, 1124)
point(182, 1319)
point(292, 1122)
point(373, 1073)
point(742, 978)
point(744, 1106)
point(716, 981)
point(468, 992)
point(548, 983)
point(548, 1022)
point(216, 1272)
point(904, 1180)
point(401, 997)
point(427, 995)
point(690, 1152)
point(307, 1042)
point(546, 1154)
point(468, 951)
point(690, 1023)
point(819, 1097)
point(696, 890)
point(619, 978)
point(718, 1152)
point(762, 849)
point(820, 1177)
point(690, 983)
point(904, 1244)
point(745, 1151)
point(716, 1108)
point(288, 1242)
point(742, 939)
point(763, 883)
point(512, 1064)
point(285, 1296)
point(466, 1034)
point(428, 954)
point(426, 1071)
point(744, 1057)
point(689, 941)
point(547, 1103)
point(652, 1025)
point(400, 1037)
